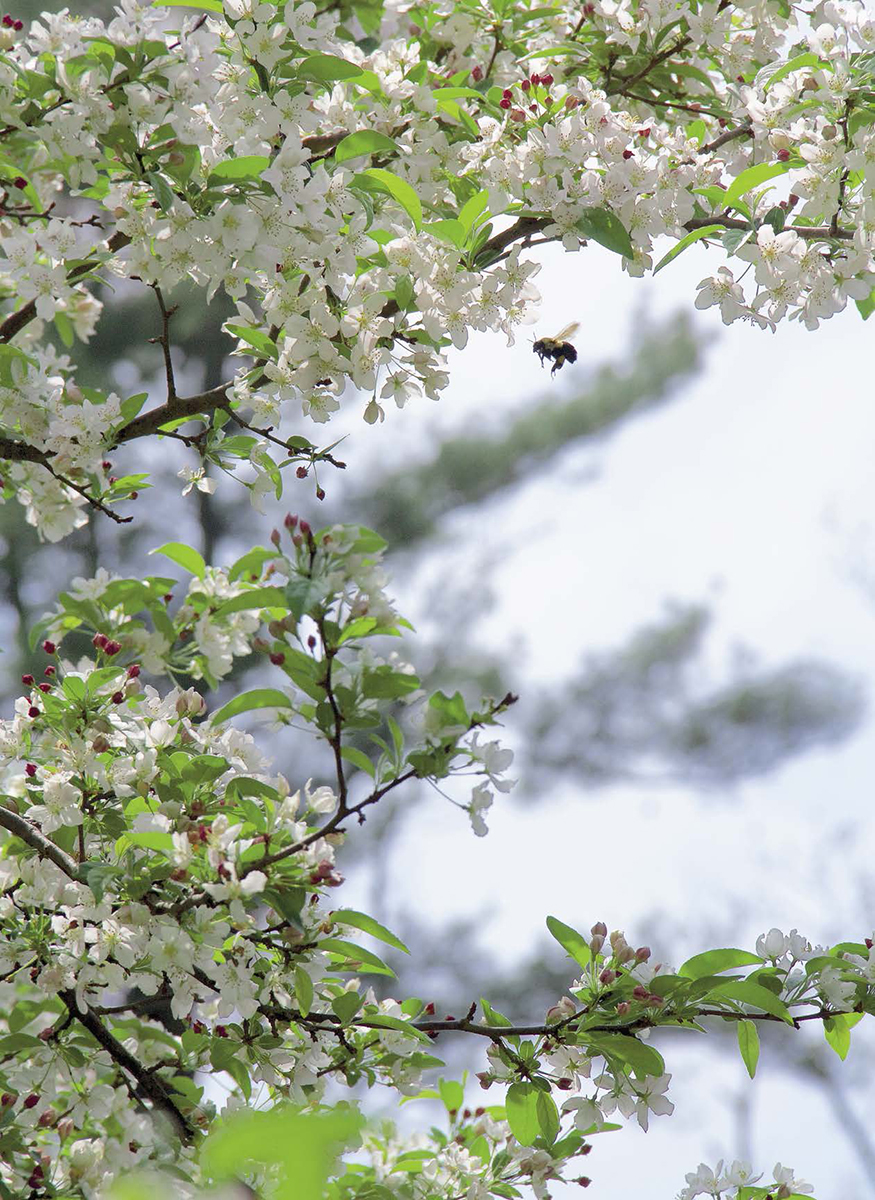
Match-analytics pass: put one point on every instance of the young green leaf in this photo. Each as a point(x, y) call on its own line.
point(607, 229)
point(187, 557)
point(365, 141)
point(749, 1045)
point(712, 962)
point(521, 1107)
point(571, 941)
point(358, 920)
point(247, 701)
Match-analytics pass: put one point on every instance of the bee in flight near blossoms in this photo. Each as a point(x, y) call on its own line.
point(558, 348)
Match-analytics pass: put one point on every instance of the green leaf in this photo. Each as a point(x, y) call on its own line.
point(521, 1107)
point(258, 340)
point(327, 68)
point(265, 597)
point(304, 1146)
point(247, 701)
point(64, 326)
point(303, 594)
point(346, 1006)
point(358, 920)
point(607, 229)
point(749, 1045)
point(376, 179)
point(365, 960)
point(767, 78)
point(754, 994)
point(472, 210)
point(695, 236)
point(358, 759)
point(634, 1055)
point(161, 189)
point(548, 1116)
point(712, 962)
point(186, 556)
point(452, 1094)
point(837, 1031)
point(304, 990)
point(451, 231)
point(366, 141)
point(233, 170)
point(751, 178)
point(570, 940)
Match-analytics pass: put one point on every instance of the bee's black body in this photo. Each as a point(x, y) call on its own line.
point(557, 348)
point(559, 352)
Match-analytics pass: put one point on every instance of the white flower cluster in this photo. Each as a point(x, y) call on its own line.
point(708, 1181)
point(345, 195)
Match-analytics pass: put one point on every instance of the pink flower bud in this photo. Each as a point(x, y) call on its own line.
point(623, 1007)
point(608, 976)
point(600, 929)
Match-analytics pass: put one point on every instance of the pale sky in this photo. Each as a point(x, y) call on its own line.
point(754, 492)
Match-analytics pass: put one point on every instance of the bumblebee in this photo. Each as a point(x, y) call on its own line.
point(558, 348)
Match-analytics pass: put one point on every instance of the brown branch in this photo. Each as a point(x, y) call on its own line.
point(809, 232)
point(45, 847)
point(148, 1084)
point(743, 131)
point(163, 340)
point(693, 108)
point(336, 739)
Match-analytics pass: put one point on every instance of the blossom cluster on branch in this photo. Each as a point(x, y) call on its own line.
point(364, 181)
point(166, 900)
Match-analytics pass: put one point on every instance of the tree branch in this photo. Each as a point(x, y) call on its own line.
point(148, 1084)
point(45, 848)
point(809, 232)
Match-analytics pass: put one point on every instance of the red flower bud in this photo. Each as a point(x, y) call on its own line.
point(320, 493)
point(118, 698)
point(536, 79)
point(32, 1100)
point(546, 80)
point(525, 85)
point(19, 182)
point(783, 155)
point(477, 74)
point(627, 154)
point(44, 687)
point(27, 680)
point(49, 647)
point(504, 103)
point(30, 770)
point(50, 670)
point(517, 114)
point(278, 659)
point(134, 671)
point(33, 711)
point(112, 648)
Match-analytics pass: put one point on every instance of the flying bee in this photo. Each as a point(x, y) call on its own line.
point(558, 348)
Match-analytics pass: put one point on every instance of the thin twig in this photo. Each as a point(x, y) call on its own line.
point(163, 341)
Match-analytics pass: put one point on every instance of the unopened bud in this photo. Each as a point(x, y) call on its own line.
point(607, 976)
point(642, 953)
point(623, 1007)
point(779, 140)
point(600, 929)
point(596, 944)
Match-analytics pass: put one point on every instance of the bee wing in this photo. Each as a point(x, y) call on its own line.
point(568, 332)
